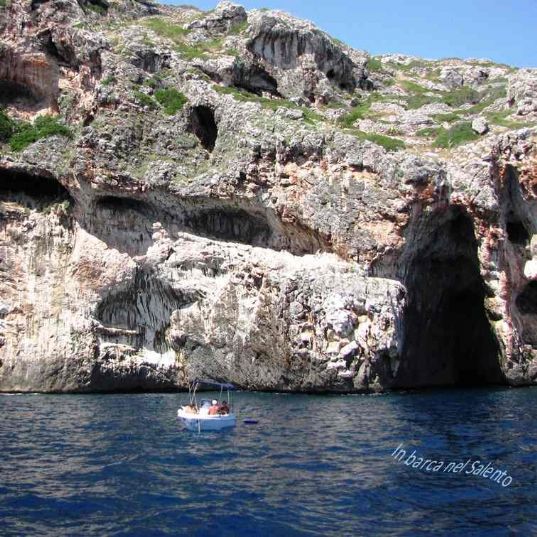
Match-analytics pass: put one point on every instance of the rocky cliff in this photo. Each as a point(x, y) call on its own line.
point(238, 195)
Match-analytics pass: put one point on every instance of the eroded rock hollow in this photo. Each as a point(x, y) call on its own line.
point(448, 339)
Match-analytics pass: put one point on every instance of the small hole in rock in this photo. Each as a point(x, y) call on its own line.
point(526, 301)
point(517, 233)
point(203, 125)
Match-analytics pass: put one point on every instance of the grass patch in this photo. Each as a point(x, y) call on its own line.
point(199, 50)
point(420, 95)
point(460, 96)
point(44, 126)
point(165, 28)
point(97, 8)
point(240, 95)
point(171, 100)
point(414, 102)
point(7, 126)
point(189, 52)
point(144, 99)
point(414, 64)
point(456, 135)
point(238, 28)
point(109, 80)
point(429, 132)
point(177, 34)
point(433, 75)
point(310, 116)
point(413, 87)
point(360, 111)
point(500, 118)
point(489, 97)
point(449, 117)
point(374, 64)
point(387, 142)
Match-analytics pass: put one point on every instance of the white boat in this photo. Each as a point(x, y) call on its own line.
point(199, 417)
point(197, 422)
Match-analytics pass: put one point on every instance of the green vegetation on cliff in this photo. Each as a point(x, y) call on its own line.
point(165, 28)
point(23, 134)
point(456, 135)
point(6, 127)
point(145, 100)
point(171, 100)
point(309, 115)
point(460, 96)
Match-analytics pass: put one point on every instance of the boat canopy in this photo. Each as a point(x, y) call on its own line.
point(210, 382)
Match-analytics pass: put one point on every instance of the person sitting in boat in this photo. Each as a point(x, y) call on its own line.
point(205, 406)
point(224, 408)
point(215, 407)
point(191, 409)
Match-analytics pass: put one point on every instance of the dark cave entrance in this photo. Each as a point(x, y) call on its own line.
point(526, 301)
point(517, 232)
point(203, 125)
point(33, 191)
point(235, 225)
point(16, 93)
point(519, 215)
point(255, 79)
point(448, 339)
point(515, 212)
point(116, 204)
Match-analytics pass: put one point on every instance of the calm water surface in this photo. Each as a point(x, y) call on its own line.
point(313, 465)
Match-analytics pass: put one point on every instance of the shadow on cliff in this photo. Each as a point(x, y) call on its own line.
point(448, 340)
point(126, 224)
point(21, 192)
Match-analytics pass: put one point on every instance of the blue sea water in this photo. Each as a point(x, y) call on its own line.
point(120, 465)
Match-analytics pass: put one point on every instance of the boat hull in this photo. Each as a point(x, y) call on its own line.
point(195, 422)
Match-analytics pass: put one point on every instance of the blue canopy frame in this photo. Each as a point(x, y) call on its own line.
point(221, 385)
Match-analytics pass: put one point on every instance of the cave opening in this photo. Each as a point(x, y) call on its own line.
point(15, 93)
point(526, 300)
point(120, 204)
point(31, 190)
point(526, 303)
point(143, 308)
point(517, 232)
point(235, 225)
point(99, 6)
point(36, 4)
point(124, 224)
point(448, 339)
point(516, 213)
point(203, 125)
point(255, 79)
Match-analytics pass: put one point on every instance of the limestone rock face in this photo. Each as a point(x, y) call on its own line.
point(237, 195)
point(523, 91)
point(302, 58)
point(222, 19)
